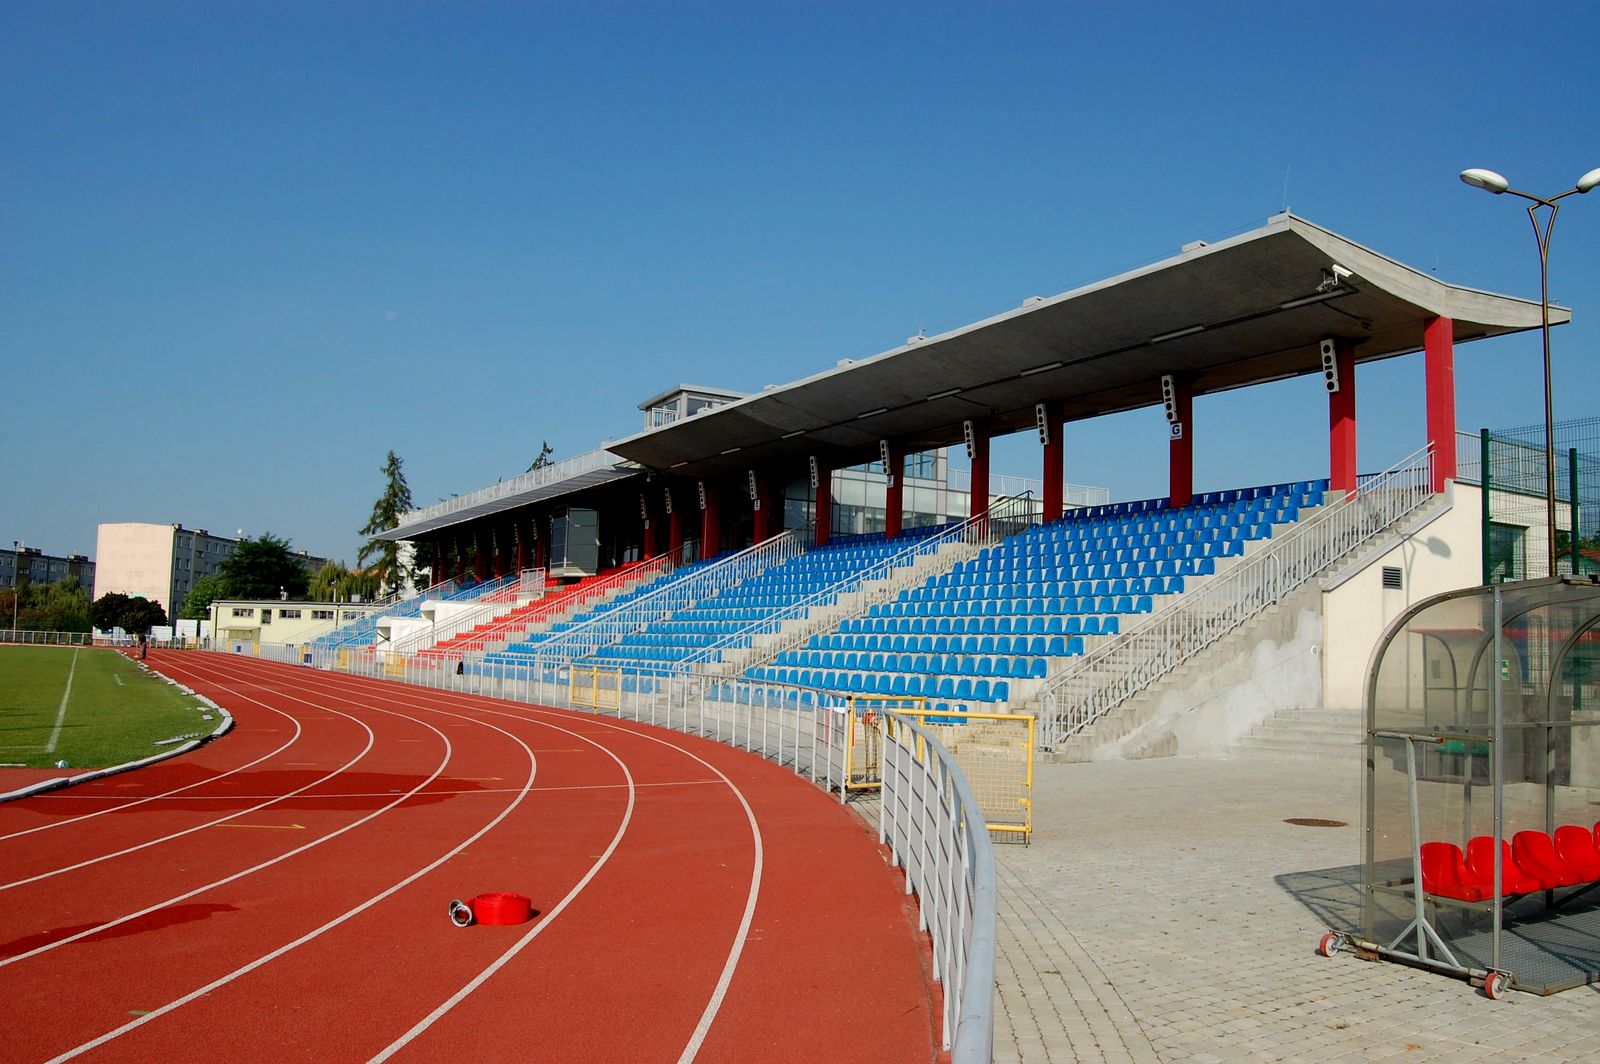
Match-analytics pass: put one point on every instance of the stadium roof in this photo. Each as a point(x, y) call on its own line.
point(547, 482)
point(1246, 310)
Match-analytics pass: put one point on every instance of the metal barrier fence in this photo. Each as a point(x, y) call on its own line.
point(29, 637)
point(931, 819)
point(994, 750)
point(1098, 682)
point(935, 831)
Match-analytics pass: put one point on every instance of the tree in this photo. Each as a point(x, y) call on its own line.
point(335, 583)
point(202, 593)
point(544, 456)
point(264, 567)
point(59, 607)
point(134, 615)
point(386, 513)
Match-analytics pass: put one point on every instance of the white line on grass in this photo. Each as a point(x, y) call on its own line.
point(61, 714)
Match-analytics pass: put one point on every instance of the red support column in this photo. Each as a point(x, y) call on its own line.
point(541, 543)
point(480, 554)
point(1439, 360)
point(502, 549)
point(652, 527)
point(710, 521)
point(766, 519)
point(894, 495)
point(524, 555)
point(1342, 422)
point(1182, 447)
point(461, 558)
point(436, 575)
point(674, 523)
point(979, 493)
point(823, 514)
point(1054, 471)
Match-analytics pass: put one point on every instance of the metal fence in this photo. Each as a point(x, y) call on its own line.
point(1097, 683)
point(935, 831)
point(1515, 513)
point(931, 820)
point(53, 639)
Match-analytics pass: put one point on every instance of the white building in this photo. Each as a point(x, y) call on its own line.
point(162, 562)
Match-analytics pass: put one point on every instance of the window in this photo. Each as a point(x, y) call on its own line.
point(289, 615)
point(243, 611)
point(322, 615)
point(1507, 556)
point(266, 616)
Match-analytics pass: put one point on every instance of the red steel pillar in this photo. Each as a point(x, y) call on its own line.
point(650, 546)
point(461, 557)
point(823, 515)
point(710, 520)
point(1342, 422)
point(894, 496)
point(502, 549)
point(1182, 446)
point(436, 574)
point(766, 516)
point(480, 554)
point(541, 543)
point(1439, 360)
point(674, 523)
point(979, 493)
point(1054, 472)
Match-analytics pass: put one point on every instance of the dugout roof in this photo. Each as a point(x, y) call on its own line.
point(1246, 310)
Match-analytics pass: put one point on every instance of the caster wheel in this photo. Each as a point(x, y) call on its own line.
point(461, 914)
point(1496, 985)
point(1330, 943)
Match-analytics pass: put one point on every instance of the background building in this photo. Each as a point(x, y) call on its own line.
point(162, 562)
point(37, 567)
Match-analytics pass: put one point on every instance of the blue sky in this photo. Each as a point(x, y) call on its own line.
point(246, 249)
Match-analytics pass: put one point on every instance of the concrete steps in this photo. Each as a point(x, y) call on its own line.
point(1330, 736)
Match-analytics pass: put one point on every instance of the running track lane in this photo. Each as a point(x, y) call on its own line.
point(829, 969)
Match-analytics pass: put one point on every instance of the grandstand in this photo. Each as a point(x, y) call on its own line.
point(758, 555)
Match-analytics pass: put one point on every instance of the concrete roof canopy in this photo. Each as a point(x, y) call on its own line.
point(1247, 310)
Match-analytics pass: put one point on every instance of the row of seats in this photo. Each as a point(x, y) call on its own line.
point(1023, 667)
point(952, 690)
point(971, 624)
point(958, 606)
point(1016, 585)
point(1039, 646)
point(1532, 861)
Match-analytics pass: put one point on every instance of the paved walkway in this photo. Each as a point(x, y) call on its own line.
point(1166, 912)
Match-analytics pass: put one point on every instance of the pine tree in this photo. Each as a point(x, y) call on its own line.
point(386, 513)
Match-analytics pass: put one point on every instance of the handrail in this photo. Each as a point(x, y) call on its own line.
point(951, 872)
point(612, 626)
point(1110, 675)
point(534, 478)
point(975, 531)
point(563, 601)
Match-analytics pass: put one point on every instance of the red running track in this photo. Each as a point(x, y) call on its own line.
point(281, 893)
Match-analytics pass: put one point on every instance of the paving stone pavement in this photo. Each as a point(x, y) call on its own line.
point(1165, 912)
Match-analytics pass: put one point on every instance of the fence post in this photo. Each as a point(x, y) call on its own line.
point(1485, 482)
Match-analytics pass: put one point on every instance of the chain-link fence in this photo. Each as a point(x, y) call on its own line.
point(1516, 514)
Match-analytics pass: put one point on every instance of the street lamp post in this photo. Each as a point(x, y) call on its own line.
point(1490, 181)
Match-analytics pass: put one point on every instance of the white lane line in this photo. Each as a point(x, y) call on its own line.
point(533, 768)
point(425, 794)
point(61, 714)
point(736, 950)
point(57, 796)
point(190, 831)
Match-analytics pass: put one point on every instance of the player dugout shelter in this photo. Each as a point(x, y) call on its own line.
point(1482, 741)
point(1283, 300)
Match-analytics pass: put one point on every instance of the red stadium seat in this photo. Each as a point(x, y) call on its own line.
point(1575, 846)
point(1480, 868)
point(1444, 872)
point(1536, 854)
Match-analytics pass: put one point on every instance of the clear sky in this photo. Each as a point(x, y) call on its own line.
point(245, 249)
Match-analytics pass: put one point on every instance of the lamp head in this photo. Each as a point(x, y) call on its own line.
point(1487, 180)
point(1589, 180)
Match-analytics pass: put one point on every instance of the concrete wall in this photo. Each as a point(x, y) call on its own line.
point(136, 559)
point(242, 621)
point(1443, 554)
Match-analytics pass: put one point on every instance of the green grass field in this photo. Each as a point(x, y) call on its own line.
point(113, 711)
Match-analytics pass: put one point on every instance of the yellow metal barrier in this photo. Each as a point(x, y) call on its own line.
point(342, 661)
point(394, 663)
point(594, 687)
point(995, 752)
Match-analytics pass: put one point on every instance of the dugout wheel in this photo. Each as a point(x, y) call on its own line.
point(461, 913)
point(1496, 985)
point(1330, 943)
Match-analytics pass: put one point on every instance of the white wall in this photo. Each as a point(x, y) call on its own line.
point(1442, 555)
point(135, 559)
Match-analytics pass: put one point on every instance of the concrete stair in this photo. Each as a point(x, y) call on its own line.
point(1328, 736)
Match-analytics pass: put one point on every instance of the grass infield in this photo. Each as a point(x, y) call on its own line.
point(111, 712)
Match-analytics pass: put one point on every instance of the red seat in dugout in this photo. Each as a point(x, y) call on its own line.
point(1536, 854)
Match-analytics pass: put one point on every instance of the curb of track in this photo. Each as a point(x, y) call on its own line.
point(58, 782)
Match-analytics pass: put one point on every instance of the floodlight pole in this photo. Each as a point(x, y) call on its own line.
point(1490, 181)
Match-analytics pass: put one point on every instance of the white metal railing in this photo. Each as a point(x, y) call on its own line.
point(702, 582)
point(935, 831)
point(32, 637)
point(1098, 682)
point(929, 817)
point(893, 574)
point(498, 602)
point(1005, 486)
point(505, 489)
